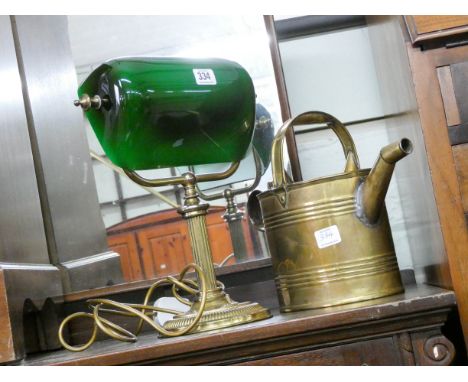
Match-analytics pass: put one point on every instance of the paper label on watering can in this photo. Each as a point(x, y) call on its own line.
point(204, 76)
point(327, 236)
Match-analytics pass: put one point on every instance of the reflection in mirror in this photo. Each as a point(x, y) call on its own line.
point(142, 224)
point(341, 81)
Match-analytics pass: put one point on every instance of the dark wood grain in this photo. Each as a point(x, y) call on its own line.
point(378, 352)
point(405, 347)
point(432, 349)
point(419, 308)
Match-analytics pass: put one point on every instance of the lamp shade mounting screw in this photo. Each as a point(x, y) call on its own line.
point(86, 102)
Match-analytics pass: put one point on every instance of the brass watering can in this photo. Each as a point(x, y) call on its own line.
point(329, 238)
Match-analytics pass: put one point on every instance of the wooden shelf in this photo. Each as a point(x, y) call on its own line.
point(375, 332)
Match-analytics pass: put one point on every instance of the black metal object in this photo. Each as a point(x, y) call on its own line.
point(309, 25)
point(456, 44)
point(460, 86)
point(458, 134)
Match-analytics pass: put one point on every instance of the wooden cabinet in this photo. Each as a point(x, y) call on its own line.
point(126, 245)
point(165, 248)
point(379, 352)
point(158, 244)
point(423, 29)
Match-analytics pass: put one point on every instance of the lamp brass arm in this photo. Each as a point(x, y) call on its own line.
point(237, 191)
point(181, 179)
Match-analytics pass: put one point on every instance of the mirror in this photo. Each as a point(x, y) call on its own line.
point(328, 66)
point(143, 225)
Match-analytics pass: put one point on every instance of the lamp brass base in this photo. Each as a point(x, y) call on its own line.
point(220, 312)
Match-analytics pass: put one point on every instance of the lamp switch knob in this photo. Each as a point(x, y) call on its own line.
point(86, 102)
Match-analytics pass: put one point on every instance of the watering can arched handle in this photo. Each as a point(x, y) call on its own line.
point(279, 175)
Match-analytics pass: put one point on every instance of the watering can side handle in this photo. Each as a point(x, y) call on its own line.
point(279, 175)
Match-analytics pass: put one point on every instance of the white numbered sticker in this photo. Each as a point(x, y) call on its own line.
point(327, 236)
point(204, 76)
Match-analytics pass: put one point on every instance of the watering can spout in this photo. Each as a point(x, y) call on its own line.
point(373, 190)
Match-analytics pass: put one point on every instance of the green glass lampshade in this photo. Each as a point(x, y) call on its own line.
point(262, 140)
point(168, 112)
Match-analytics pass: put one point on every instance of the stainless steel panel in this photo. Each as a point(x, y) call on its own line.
point(22, 236)
point(93, 271)
point(76, 226)
point(17, 280)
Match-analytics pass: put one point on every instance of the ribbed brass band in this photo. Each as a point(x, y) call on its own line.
point(338, 272)
point(319, 210)
point(231, 314)
point(394, 286)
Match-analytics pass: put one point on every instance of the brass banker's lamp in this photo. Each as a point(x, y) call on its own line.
point(151, 113)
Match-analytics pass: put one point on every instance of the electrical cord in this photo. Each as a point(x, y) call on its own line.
point(145, 313)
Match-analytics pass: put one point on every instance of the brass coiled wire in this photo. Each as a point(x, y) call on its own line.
point(145, 313)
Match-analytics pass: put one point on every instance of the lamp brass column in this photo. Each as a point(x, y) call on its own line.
point(220, 311)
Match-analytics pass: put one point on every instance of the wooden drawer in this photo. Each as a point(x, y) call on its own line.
point(428, 28)
point(158, 244)
point(376, 352)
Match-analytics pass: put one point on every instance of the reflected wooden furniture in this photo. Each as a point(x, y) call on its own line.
point(403, 329)
point(422, 62)
point(158, 244)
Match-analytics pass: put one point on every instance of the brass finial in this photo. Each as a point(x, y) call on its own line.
point(86, 102)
